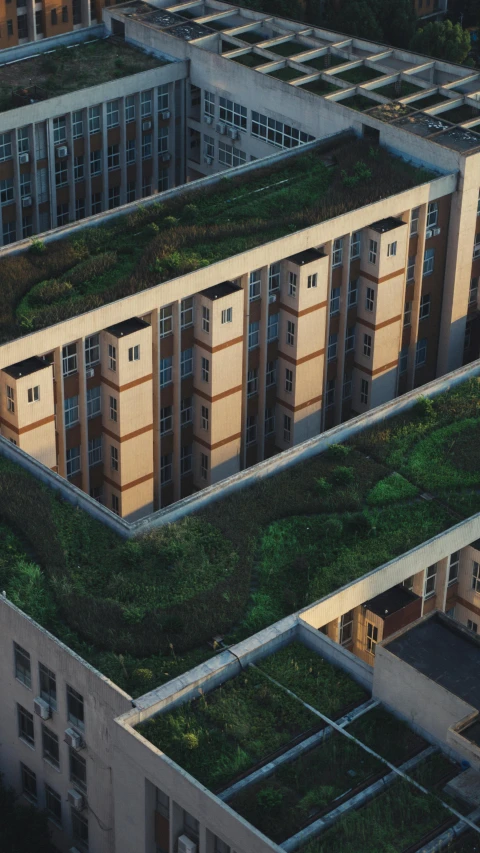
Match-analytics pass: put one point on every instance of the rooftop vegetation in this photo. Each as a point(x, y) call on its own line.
point(70, 68)
point(54, 281)
point(360, 74)
point(286, 73)
point(251, 59)
point(392, 91)
point(300, 535)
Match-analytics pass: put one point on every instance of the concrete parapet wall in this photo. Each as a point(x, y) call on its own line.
point(335, 654)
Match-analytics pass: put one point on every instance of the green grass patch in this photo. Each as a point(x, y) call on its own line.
point(359, 75)
point(228, 730)
point(358, 102)
point(393, 488)
point(251, 60)
point(286, 73)
point(388, 736)
point(320, 87)
point(392, 91)
point(288, 48)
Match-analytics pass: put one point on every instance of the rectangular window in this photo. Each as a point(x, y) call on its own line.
point(271, 374)
point(162, 140)
point(71, 411)
point(424, 306)
point(290, 333)
point(287, 428)
point(332, 347)
point(48, 685)
point(113, 157)
point(166, 371)
point(272, 330)
point(476, 577)
point(113, 458)
point(203, 466)
point(112, 114)
point(355, 245)
point(92, 350)
point(276, 132)
point(330, 395)
point(166, 420)
point(428, 261)
point(95, 451)
point(73, 461)
point(53, 805)
point(209, 146)
point(346, 629)
point(473, 292)
point(96, 202)
point(372, 251)
point(292, 284)
point(146, 104)
point(25, 185)
point(9, 232)
point(61, 173)
point(51, 751)
point(251, 433)
point(269, 421)
point(186, 362)
point(94, 120)
point(204, 421)
point(112, 357)
point(22, 140)
point(134, 353)
point(22, 665)
point(10, 399)
point(430, 580)
point(273, 277)
point(369, 299)
point(472, 626)
point(209, 104)
point(337, 255)
point(25, 725)
point(411, 268)
point(392, 249)
point(75, 708)
point(166, 469)
point(254, 285)
point(186, 411)
point(186, 455)
point(414, 221)
point(253, 335)
point(27, 226)
point(79, 208)
point(162, 98)
point(69, 359)
point(367, 346)
point(312, 280)
point(432, 214)
point(146, 146)
point(78, 770)
point(5, 146)
point(205, 369)
point(252, 382)
point(77, 124)
point(226, 316)
point(59, 130)
point(372, 638)
point(407, 314)
point(130, 108)
point(205, 319)
point(33, 394)
point(350, 339)
point(421, 352)
point(115, 504)
point(403, 361)
point(166, 321)
point(453, 567)
point(352, 292)
point(364, 392)
point(62, 214)
point(347, 384)
point(6, 191)
point(232, 113)
point(113, 409)
point(96, 166)
point(29, 783)
point(131, 151)
point(186, 312)
point(334, 301)
point(79, 169)
point(94, 402)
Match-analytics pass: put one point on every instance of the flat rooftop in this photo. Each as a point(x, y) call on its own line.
point(128, 327)
point(358, 74)
point(194, 229)
point(27, 367)
point(444, 652)
point(391, 601)
point(68, 68)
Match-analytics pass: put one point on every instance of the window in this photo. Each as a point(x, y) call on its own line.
point(146, 104)
point(115, 504)
point(163, 180)
point(10, 399)
point(65, 14)
point(113, 458)
point(166, 420)
point(95, 451)
point(112, 114)
point(414, 221)
point(162, 98)
point(372, 251)
point(9, 231)
point(352, 292)
point(113, 409)
point(252, 381)
point(78, 770)
point(251, 433)
point(271, 374)
point(77, 124)
point(403, 361)
point(25, 185)
point(166, 321)
point(392, 249)
point(205, 319)
point(367, 346)
point(29, 783)
point(350, 339)
point(312, 281)
point(372, 638)
point(276, 132)
point(75, 708)
point(186, 312)
point(5, 146)
point(205, 369)
point(430, 580)
point(94, 402)
point(407, 314)
point(364, 392)
point(94, 120)
point(22, 24)
point(62, 214)
point(69, 359)
point(186, 362)
point(146, 146)
point(209, 104)
point(254, 285)
point(33, 394)
point(61, 173)
point(96, 165)
point(10, 27)
point(332, 347)
point(355, 245)
point(22, 665)
point(25, 725)
point(53, 804)
point(186, 455)
point(347, 384)
point(48, 685)
point(59, 130)
point(232, 113)
point(70, 408)
point(273, 277)
point(96, 203)
point(130, 108)
point(272, 331)
point(473, 292)
point(253, 335)
point(209, 146)
point(424, 306)
point(334, 301)
point(226, 316)
point(346, 629)
point(92, 350)
point(476, 577)
point(131, 152)
point(472, 626)
point(269, 421)
point(79, 208)
point(186, 411)
point(50, 746)
point(287, 428)
point(292, 284)
point(369, 299)
point(453, 567)
point(476, 247)
point(203, 466)
point(421, 352)
point(78, 169)
point(112, 357)
point(6, 191)
point(428, 261)
point(204, 421)
point(337, 255)
point(290, 333)
point(27, 226)
point(166, 469)
point(162, 140)
point(113, 157)
point(166, 371)
point(39, 22)
point(432, 214)
point(330, 395)
point(134, 353)
point(73, 461)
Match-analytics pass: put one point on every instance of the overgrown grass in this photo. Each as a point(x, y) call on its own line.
point(161, 242)
point(358, 75)
point(388, 736)
point(227, 731)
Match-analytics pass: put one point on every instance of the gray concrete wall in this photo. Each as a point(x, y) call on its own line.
point(336, 655)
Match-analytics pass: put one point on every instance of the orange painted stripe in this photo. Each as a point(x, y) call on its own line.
point(376, 280)
point(28, 428)
point(300, 405)
point(128, 385)
point(122, 438)
point(297, 361)
point(302, 313)
point(236, 390)
point(127, 486)
point(219, 347)
point(221, 443)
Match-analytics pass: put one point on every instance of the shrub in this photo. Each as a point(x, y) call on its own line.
point(190, 740)
point(322, 486)
point(337, 452)
point(342, 476)
point(50, 291)
point(391, 489)
point(37, 247)
point(424, 408)
point(270, 798)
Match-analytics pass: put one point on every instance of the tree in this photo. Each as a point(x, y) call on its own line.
point(443, 40)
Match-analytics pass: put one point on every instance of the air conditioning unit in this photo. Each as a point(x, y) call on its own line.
point(186, 845)
point(27, 201)
point(209, 160)
point(435, 232)
point(24, 158)
point(208, 119)
point(73, 739)
point(221, 128)
point(42, 709)
point(90, 373)
point(166, 156)
point(166, 114)
point(76, 800)
point(147, 125)
point(232, 132)
point(62, 151)
point(428, 234)
point(272, 297)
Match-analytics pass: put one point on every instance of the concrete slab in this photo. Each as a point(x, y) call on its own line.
point(466, 787)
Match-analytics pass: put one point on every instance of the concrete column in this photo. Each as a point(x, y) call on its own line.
point(177, 393)
point(71, 180)
point(417, 292)
point(82, 411)
point(244, 284)
point(155, 139)
point(328, 251)
point(30, 9)
point(16, 184)
point(59, 413)
point(123, 151)
point(86, 16)
point(88, 179)
point(156, 406)
point(33, 178)
point(51, 172)
point(262, 367)
point(408, 219)
point(139, 166)
point(103, 128)
point(342, 328)
point(443, 567)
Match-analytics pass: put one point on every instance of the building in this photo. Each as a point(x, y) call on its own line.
point(84, 749)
